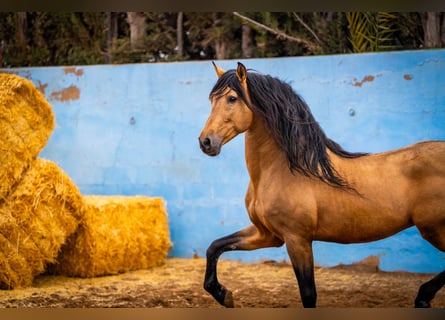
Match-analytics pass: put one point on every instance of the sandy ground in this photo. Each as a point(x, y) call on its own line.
point(178, 283)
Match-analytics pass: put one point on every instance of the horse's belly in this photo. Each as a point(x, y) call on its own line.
point(361, 228)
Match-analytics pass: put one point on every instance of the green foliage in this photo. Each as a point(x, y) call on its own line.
point(82, 38)
point(372, 31)
point(53, 39)
point(208, 32)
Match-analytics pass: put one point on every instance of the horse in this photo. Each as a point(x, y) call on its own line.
point(305, 187)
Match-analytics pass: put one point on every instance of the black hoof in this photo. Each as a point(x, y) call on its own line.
point(422, 304)
point(228, 300)
point(220, 294)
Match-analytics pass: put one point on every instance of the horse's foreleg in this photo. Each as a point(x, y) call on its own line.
point(428, 290)
point(249, 238)
point(300, 253)
point(211, 283)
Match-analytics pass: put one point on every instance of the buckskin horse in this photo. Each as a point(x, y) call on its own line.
point(305, 187)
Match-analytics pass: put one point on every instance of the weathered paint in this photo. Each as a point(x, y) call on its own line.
point(132, 129)
point(70, 93)
point(365, 79)
point(73, 70)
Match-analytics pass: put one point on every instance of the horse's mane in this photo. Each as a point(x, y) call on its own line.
point(291, 124)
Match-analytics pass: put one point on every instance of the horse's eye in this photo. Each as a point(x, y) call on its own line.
point(231, 99)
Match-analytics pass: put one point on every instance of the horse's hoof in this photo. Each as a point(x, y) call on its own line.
point(228, 299)
point(422, 304)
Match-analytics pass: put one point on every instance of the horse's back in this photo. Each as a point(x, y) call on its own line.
point(434, 148)
point(404, 169)
point(424, 160)
point(423, 166)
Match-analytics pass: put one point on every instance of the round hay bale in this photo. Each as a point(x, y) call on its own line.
point(14, 269)
point(36, 218)
point(26, 123)
point(117, 234)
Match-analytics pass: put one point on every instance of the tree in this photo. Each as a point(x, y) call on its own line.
point(70, 38)
point(442, 30)
point(246, 40)
point(371, 31)
point(213, 35)
point(219, 35)
point(275, 31)
point(21, 28)
point(432, 29)
point(138, 27)
point(180, 34)
point(112, 34)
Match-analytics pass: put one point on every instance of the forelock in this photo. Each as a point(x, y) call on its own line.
point(228, 80)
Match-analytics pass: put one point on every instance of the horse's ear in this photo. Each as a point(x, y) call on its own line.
point(241, 74)
point(218, 70)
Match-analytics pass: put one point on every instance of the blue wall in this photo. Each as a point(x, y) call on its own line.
point(132, 129)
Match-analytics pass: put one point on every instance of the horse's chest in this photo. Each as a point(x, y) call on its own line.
point(264, 207)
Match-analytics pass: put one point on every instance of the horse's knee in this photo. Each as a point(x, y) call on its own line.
point(211, 250)
point(216, 248)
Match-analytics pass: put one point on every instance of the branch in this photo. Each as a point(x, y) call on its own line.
point(306, 26)
point(278, 33)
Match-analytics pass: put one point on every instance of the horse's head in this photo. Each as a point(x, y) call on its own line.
point(230, 113)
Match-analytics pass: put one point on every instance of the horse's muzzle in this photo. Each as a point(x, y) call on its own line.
point(210, 144)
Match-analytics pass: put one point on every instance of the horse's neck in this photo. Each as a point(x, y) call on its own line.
point(264, 155)
point(262, 152)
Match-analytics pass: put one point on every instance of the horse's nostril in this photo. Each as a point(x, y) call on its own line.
point(206, 142)
point(210, 144)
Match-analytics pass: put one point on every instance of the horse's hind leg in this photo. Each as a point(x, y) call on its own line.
point(428, 290)
point(434, 233)
point(249, 238)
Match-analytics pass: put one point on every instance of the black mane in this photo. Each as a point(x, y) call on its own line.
point(291, 124)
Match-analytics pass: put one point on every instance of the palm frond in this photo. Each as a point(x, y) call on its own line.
point(371, 31)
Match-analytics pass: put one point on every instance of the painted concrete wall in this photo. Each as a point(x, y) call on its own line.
point(132, 129)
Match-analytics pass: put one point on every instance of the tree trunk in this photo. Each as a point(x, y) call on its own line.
point(442, 30)
point(432, 30)
point(138, 26)
point(111, 36)
point(21, 27)
point(246, 40)
point(180, 33)
point(220, 50)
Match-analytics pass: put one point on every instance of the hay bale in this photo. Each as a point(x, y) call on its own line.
point(36, 218)
point(26, 123)
point(117, 234)
point(14, 269)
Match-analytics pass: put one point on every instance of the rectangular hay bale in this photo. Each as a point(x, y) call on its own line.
point(26, 123)
point(36, 218)
point(117, 234)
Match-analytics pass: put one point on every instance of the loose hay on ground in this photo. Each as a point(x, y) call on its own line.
point(117, 234)
point(35, 220)
point(26, 123)
point(178, 284)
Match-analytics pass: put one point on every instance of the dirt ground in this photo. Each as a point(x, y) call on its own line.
point(178, 283)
